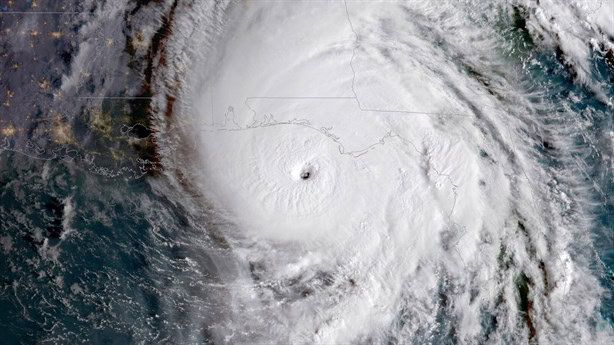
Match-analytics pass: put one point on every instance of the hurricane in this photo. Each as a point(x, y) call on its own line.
point(351, 172)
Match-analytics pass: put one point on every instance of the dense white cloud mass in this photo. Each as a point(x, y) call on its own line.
point(369, 161)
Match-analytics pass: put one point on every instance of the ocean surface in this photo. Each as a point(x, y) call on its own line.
point(154, 159)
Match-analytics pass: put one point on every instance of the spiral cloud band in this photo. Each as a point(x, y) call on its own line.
point(373, 167)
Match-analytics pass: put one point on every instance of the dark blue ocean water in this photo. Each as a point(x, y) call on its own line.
point(112, 278)
point(569, 108)
point(589, 122)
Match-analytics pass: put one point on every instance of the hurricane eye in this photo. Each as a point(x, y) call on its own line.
point(305, 175)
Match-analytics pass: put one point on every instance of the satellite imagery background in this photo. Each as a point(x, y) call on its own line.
point(307, 172)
